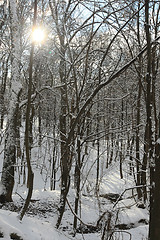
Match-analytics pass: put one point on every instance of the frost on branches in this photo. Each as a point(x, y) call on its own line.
point(7, 179)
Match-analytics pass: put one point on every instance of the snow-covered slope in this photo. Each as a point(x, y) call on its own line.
point(129, 221)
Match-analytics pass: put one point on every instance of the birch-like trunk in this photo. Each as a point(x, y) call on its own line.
point(7, 178)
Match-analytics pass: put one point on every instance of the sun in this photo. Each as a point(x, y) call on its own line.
point(38, 35)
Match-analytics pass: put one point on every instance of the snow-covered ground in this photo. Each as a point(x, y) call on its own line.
point(129, 221)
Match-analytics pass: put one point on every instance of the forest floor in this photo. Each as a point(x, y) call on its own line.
point(127, 218)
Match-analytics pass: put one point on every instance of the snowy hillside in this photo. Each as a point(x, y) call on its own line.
point(128, 221)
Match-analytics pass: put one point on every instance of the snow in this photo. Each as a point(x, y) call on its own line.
point(158, 140)
point(29, 228)
point(40, 221)
point(35, 229)
point(131, 214)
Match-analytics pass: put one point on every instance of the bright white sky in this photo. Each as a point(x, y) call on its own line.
point(38, 35)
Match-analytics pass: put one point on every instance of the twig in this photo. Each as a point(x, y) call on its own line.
point(19, 196)
point(32, 200)
point(81, 221)
point(127, 189)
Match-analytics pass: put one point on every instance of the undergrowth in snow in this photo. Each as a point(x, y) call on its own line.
point(122, 212)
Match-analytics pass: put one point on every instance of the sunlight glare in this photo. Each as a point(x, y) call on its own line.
point(38, 35)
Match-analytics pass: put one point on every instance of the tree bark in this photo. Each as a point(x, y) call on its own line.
point(154, 230)
point(28, 129)
point(9, 162)
point(65, 149)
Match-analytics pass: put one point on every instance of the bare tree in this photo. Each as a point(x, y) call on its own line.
point(7, 178)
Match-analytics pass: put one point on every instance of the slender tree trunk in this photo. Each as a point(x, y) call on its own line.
point(77, 180)
point(131, 156)
point(66, 157)
point(144, 166)
point(98, 145)
point(138, 165)
point(65, 149)
point(54, 154)
point(28, 128)
point(121, 144)
point(53, 170)
point(138, 182)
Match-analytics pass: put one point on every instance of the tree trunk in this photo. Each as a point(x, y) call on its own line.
point(9, 162)
point(154, 229)
point(138, 181)
point(65, 149)
point(149, 125)
point(28, 128)
point(77, 180)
